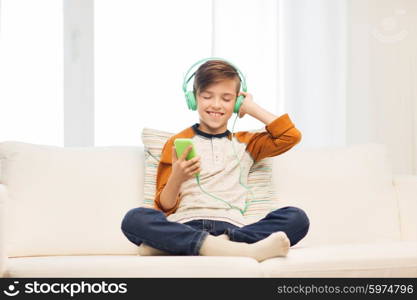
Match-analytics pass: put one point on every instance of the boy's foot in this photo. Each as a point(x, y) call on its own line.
point(277, 244)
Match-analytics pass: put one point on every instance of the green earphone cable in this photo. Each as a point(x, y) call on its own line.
point(242, 211)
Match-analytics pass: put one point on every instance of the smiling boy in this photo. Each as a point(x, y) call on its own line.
point(186, 221)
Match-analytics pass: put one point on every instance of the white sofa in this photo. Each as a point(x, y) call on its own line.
point(61, 211)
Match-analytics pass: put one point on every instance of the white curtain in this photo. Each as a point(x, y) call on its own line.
point(350, 74)
point(382, 80)
point(313, 59)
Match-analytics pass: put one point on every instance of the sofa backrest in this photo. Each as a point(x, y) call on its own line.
point(66, 201)
point(347, 192)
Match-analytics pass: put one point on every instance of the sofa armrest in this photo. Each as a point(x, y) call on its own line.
point(406, 187)
point(3, 203)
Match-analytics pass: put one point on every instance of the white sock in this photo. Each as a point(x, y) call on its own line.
point(277, 244)
point(146, 250)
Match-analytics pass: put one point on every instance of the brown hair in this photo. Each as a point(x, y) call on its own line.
point(214, 71)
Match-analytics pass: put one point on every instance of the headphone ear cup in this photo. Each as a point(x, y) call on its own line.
point(191, 103)
point(238, 104)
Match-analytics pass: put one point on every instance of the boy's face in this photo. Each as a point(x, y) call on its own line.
point(218, 98)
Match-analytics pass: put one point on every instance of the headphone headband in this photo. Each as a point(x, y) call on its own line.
point(186, 80)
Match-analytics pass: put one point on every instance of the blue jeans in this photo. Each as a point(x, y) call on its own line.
point(150, 226)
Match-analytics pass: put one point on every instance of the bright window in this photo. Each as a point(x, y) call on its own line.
point(31, 71)
point(142, 50)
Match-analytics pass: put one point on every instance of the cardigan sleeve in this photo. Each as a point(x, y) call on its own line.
point(280, 136)
point(162, 176)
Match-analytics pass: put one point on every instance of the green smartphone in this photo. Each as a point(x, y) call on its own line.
point(181, 145)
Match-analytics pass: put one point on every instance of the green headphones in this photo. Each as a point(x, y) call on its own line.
point(190, 97)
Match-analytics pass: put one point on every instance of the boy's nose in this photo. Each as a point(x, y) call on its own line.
point(216, 103)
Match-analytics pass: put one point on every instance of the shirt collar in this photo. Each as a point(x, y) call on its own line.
point(209, 135)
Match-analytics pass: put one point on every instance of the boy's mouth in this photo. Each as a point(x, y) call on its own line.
point(215, 114)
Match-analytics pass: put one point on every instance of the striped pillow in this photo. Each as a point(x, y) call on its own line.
point(259, 178)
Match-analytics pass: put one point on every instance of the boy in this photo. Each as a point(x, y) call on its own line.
point(186, 221)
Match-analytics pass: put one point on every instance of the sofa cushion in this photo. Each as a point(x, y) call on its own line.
point(66, 201)
point(390, 259)
point(347, 192)
point(133, 266)
point(259, 178)
point(397, 259)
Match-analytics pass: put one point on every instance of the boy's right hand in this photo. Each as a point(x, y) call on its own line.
point(182, 169)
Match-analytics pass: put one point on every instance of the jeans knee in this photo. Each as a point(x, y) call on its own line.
point(135, 217)
point(299, 218)
point(296, 221)
point(127, 219)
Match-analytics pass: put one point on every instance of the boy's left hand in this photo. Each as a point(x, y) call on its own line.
point(246, 107)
